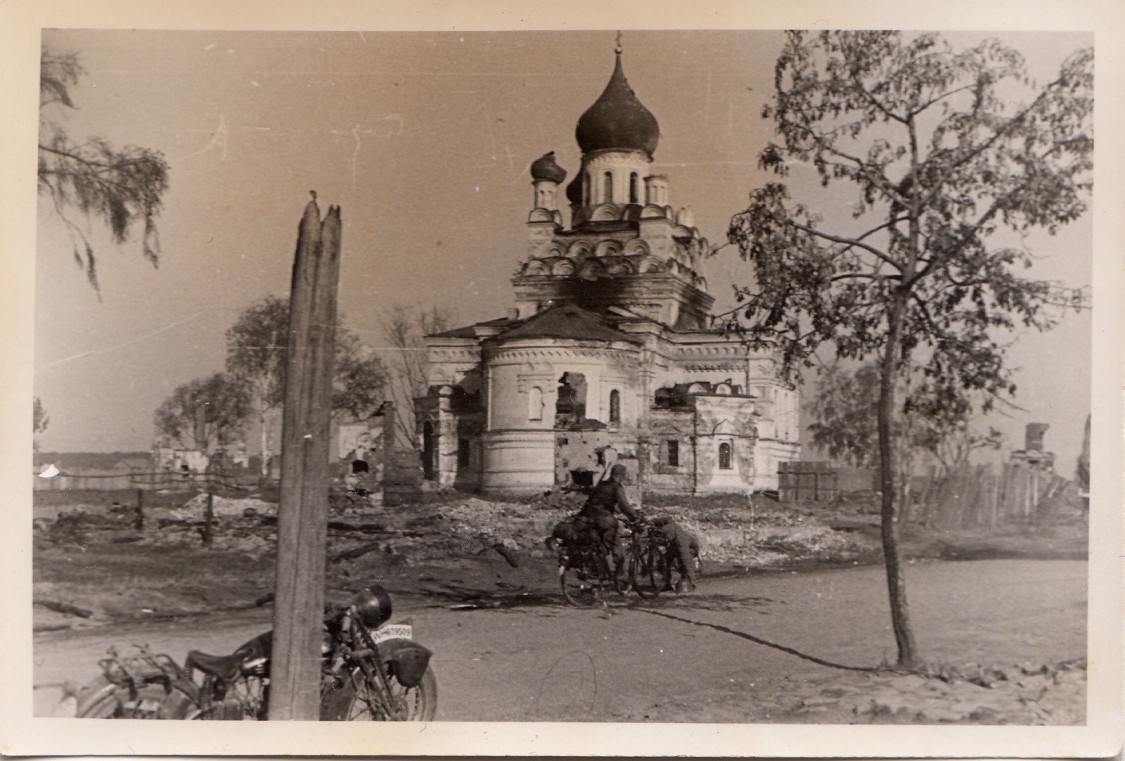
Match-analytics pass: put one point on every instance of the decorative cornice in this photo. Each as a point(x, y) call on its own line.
point(629, 356)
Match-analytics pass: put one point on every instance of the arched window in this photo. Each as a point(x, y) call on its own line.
point(608, 195)
point(615, 406)
point(535, 404)
point(586, 184)
point(633, 187)
point(724, 456)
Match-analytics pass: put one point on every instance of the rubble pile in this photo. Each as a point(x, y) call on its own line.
point(736, 532)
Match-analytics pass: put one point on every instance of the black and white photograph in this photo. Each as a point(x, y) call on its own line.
point(596, 386)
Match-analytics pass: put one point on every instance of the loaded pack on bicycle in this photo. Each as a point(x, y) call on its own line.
point(591, 557)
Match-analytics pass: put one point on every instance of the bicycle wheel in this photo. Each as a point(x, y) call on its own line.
point(660, 568)
point(646, 578)
point(577, 588)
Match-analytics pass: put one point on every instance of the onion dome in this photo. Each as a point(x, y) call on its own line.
point(545, 168)
point(617, 120)
point(574, 190)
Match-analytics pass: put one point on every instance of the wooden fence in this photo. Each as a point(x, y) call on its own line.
point(217, 482)
point(980, 496)
point(818, 481)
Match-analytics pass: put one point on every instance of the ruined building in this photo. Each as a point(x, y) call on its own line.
point(608, 353)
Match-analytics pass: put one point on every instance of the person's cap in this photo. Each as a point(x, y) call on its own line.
point(618, 470)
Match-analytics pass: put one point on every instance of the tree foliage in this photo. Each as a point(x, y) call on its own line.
point(205, 414)
point(359, 379)
point(845, 412)
point(121, 187)
point(257, 351)
point(257, 346)
point(39, 417)
point(942, 151)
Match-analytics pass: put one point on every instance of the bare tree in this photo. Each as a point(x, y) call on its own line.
point(120, 187)
point(405, 329)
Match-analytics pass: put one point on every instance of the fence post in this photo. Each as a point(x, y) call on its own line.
point(139, 516)
point(303, 507)
point(208, 517)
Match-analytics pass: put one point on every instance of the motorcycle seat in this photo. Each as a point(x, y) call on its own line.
point(220, 666)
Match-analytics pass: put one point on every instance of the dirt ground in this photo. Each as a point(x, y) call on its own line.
point(789, 623)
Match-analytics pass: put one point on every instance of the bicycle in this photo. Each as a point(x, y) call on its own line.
point(584, 573)
point(647, 563)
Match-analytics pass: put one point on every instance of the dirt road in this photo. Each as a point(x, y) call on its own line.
point(808, 638)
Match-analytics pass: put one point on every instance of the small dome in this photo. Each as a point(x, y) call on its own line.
point(545, 168)
point(617, 120)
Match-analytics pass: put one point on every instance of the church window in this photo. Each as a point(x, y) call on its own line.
point(608, 195)
point(464, 452)
point(535, 404)
point(673, 453)
point(724, 456)
point(615, 406)
point(633, 187)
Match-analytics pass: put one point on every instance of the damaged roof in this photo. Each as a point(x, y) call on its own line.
point(568, 322)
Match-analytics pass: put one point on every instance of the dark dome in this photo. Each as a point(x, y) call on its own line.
point(617, 120)
point(545, 168)
point(574, 189)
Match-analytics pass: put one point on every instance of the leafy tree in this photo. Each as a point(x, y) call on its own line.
point(257, 345)
point(942, 150)
point(205, 414)
point(845, 411)
point(39, 417)
point(953, 443)
point(405, 329)
point(39, 420)
point(121, 187)
point(257, 348)
point(1082, 470)
point(359, 378)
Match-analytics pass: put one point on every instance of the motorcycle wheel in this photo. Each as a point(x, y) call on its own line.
point(114, 705)
point(418, 703)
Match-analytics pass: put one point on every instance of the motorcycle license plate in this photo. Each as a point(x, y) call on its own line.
point(393, 631)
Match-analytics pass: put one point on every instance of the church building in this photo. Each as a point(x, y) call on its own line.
point(608, 354)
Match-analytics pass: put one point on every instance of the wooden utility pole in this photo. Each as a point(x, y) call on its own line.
point(303, 509)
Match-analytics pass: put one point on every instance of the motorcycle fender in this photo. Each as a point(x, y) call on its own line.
point(408, 660)
point(94, 692)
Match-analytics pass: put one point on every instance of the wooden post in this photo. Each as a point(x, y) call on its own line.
point(139, 517)
point(208, 518)
point(303, 508)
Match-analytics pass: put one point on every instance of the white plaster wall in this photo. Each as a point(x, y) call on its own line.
point(518, 461)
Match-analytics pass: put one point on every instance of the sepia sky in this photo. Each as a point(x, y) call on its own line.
point(424, 140)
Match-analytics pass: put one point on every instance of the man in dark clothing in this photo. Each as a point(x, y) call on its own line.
point(607, 498)
point(683, 552)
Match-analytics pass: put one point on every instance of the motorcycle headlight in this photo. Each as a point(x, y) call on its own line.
point(372, 606)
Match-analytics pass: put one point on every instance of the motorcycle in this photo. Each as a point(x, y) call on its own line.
point(370, 671)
